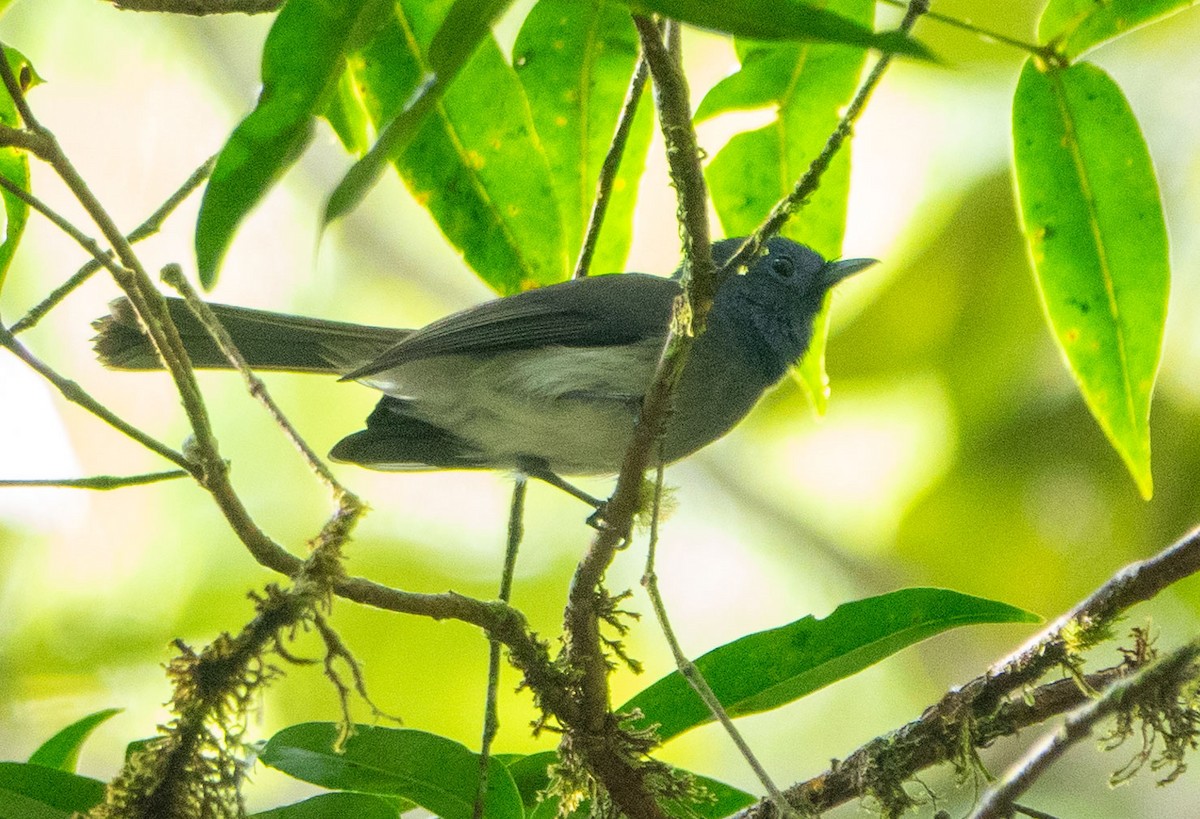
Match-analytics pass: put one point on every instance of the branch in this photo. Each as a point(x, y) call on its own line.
point(200, 8)
point(935, 736)
point(609, 169)
point(596, 735)
point(145, 230)
point(1161, 681)
point(807, 185)
point(98, 482)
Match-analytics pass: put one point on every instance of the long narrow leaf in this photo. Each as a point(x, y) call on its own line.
point(475, 162)
point(808, 84)
point(781, 20)
point(436, 773)
point(28, 790)
point(1098, 242)
point(1080, 25)
point(335, 806)
point(575, 60)
point(768, 669)
point(303, 57)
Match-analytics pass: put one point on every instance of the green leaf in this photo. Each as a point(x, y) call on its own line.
point(575, 61)
point(531, 775)
point(14, 163)
point(475, 161)
point(460, 30)
point(1094, 223)
point(335, 806)
point(781, 20)
point(303, 58)
point(1076, 26)
point(436, 773)
point(771, 668)
point(61, 751)
point(28, 790)
point(347, 113)
point(809, 84)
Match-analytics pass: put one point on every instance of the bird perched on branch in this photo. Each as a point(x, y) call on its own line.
point(549, 382)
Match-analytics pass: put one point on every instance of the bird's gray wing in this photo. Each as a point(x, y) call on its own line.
point(597, 311)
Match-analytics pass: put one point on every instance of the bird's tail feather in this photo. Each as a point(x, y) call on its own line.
point(268, 341)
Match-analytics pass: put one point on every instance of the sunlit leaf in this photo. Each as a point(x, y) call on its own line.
point(436, 773)
point(780, 20)
point(460, 29)
point(14, 163)
point(475, 162)
point(335, 806)
point(1079, 25)
point(61, 751)
point(771, 668)
point(347, 113)
point(29, 790)
point(1098, 242)
point(808, 84)
point(575, 61)
point(303, 59)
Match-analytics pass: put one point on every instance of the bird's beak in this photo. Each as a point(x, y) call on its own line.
point(834, 272)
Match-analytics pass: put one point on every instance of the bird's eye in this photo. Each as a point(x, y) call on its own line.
point(782, 266)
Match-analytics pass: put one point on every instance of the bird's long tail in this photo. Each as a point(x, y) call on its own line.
point(268, 341)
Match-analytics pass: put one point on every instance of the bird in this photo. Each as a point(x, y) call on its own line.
point(548, 382)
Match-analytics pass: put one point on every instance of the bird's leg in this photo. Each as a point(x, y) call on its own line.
point(536, 468)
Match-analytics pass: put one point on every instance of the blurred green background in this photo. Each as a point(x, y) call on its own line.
point(956, 451)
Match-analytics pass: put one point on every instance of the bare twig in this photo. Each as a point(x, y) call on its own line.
point(491, 717)
point(610, 167)
point(145, 230)
point(200, 8)
point(77, 395)
point(99, 482)
point(688, 669)
point(173, 276)
point(1170, 673)
point(807, 185)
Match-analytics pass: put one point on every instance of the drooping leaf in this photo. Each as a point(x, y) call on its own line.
point(781, 20)
point(1080, 25)
point(436, 773)
point(475, 162)
point(460, 29)
point(303, 58)
point(14, 163)
point(1094, 223)
point(771, 668)
point(574, 61)
point(335, 806)
point(29, 790)
point(61, 751)
point(809, 84)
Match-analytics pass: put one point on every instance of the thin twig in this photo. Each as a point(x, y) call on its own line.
point(807, 185)
point(173, 276)
point(1171, 672)
point(200, 8)
point(491, 714)
point(983, 33)
point(74, 393)
point(610, 167)
point(146, 229)
point(99, 482)
point(688, 669)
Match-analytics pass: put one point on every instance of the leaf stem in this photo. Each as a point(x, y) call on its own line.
point(98, 482)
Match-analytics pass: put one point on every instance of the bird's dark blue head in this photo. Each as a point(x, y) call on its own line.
point(772, 306)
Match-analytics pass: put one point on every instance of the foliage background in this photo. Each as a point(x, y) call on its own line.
point(956, 451)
